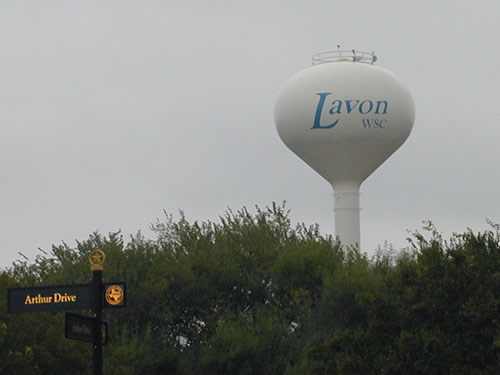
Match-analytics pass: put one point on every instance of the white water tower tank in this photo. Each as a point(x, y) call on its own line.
point(344, 117)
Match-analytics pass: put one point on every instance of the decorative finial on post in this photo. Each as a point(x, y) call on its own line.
point(97, 258)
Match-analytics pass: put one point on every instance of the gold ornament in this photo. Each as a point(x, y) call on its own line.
point(114, 295)
point(97, 258)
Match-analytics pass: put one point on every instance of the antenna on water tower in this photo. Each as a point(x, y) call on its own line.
point(344, 117)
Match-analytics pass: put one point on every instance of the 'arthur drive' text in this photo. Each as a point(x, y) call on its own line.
point(55, 298)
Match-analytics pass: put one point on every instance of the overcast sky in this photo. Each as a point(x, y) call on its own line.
point(113, 111)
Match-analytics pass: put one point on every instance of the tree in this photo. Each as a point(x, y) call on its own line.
point(253, 294)
point(435, 311)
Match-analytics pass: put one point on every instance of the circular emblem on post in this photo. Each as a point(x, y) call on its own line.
point(97, 258)
point(114, 295)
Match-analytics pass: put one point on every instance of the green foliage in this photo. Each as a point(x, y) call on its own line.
point(433, 311)
point(254, 295)
point(253, 342)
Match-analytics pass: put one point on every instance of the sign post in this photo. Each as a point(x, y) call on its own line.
point(97, 258)
point(95, 296)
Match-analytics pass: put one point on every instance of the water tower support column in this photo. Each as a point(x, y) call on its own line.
point(347, 217)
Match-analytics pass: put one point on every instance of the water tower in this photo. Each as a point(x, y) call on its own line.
point(344, 117)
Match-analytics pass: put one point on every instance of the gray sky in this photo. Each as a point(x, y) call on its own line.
point(113, 111)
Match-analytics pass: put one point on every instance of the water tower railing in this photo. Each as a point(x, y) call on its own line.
point(344, 55)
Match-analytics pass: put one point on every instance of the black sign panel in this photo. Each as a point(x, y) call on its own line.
point(82, 328)
point(49, 298)
point(114, 295)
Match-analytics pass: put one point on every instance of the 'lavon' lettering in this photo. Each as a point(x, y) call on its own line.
point(346, 106)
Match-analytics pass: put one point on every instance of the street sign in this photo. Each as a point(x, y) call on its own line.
point(48, 298)
point(94, 296)
point(82, 328)
point(114, 294)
